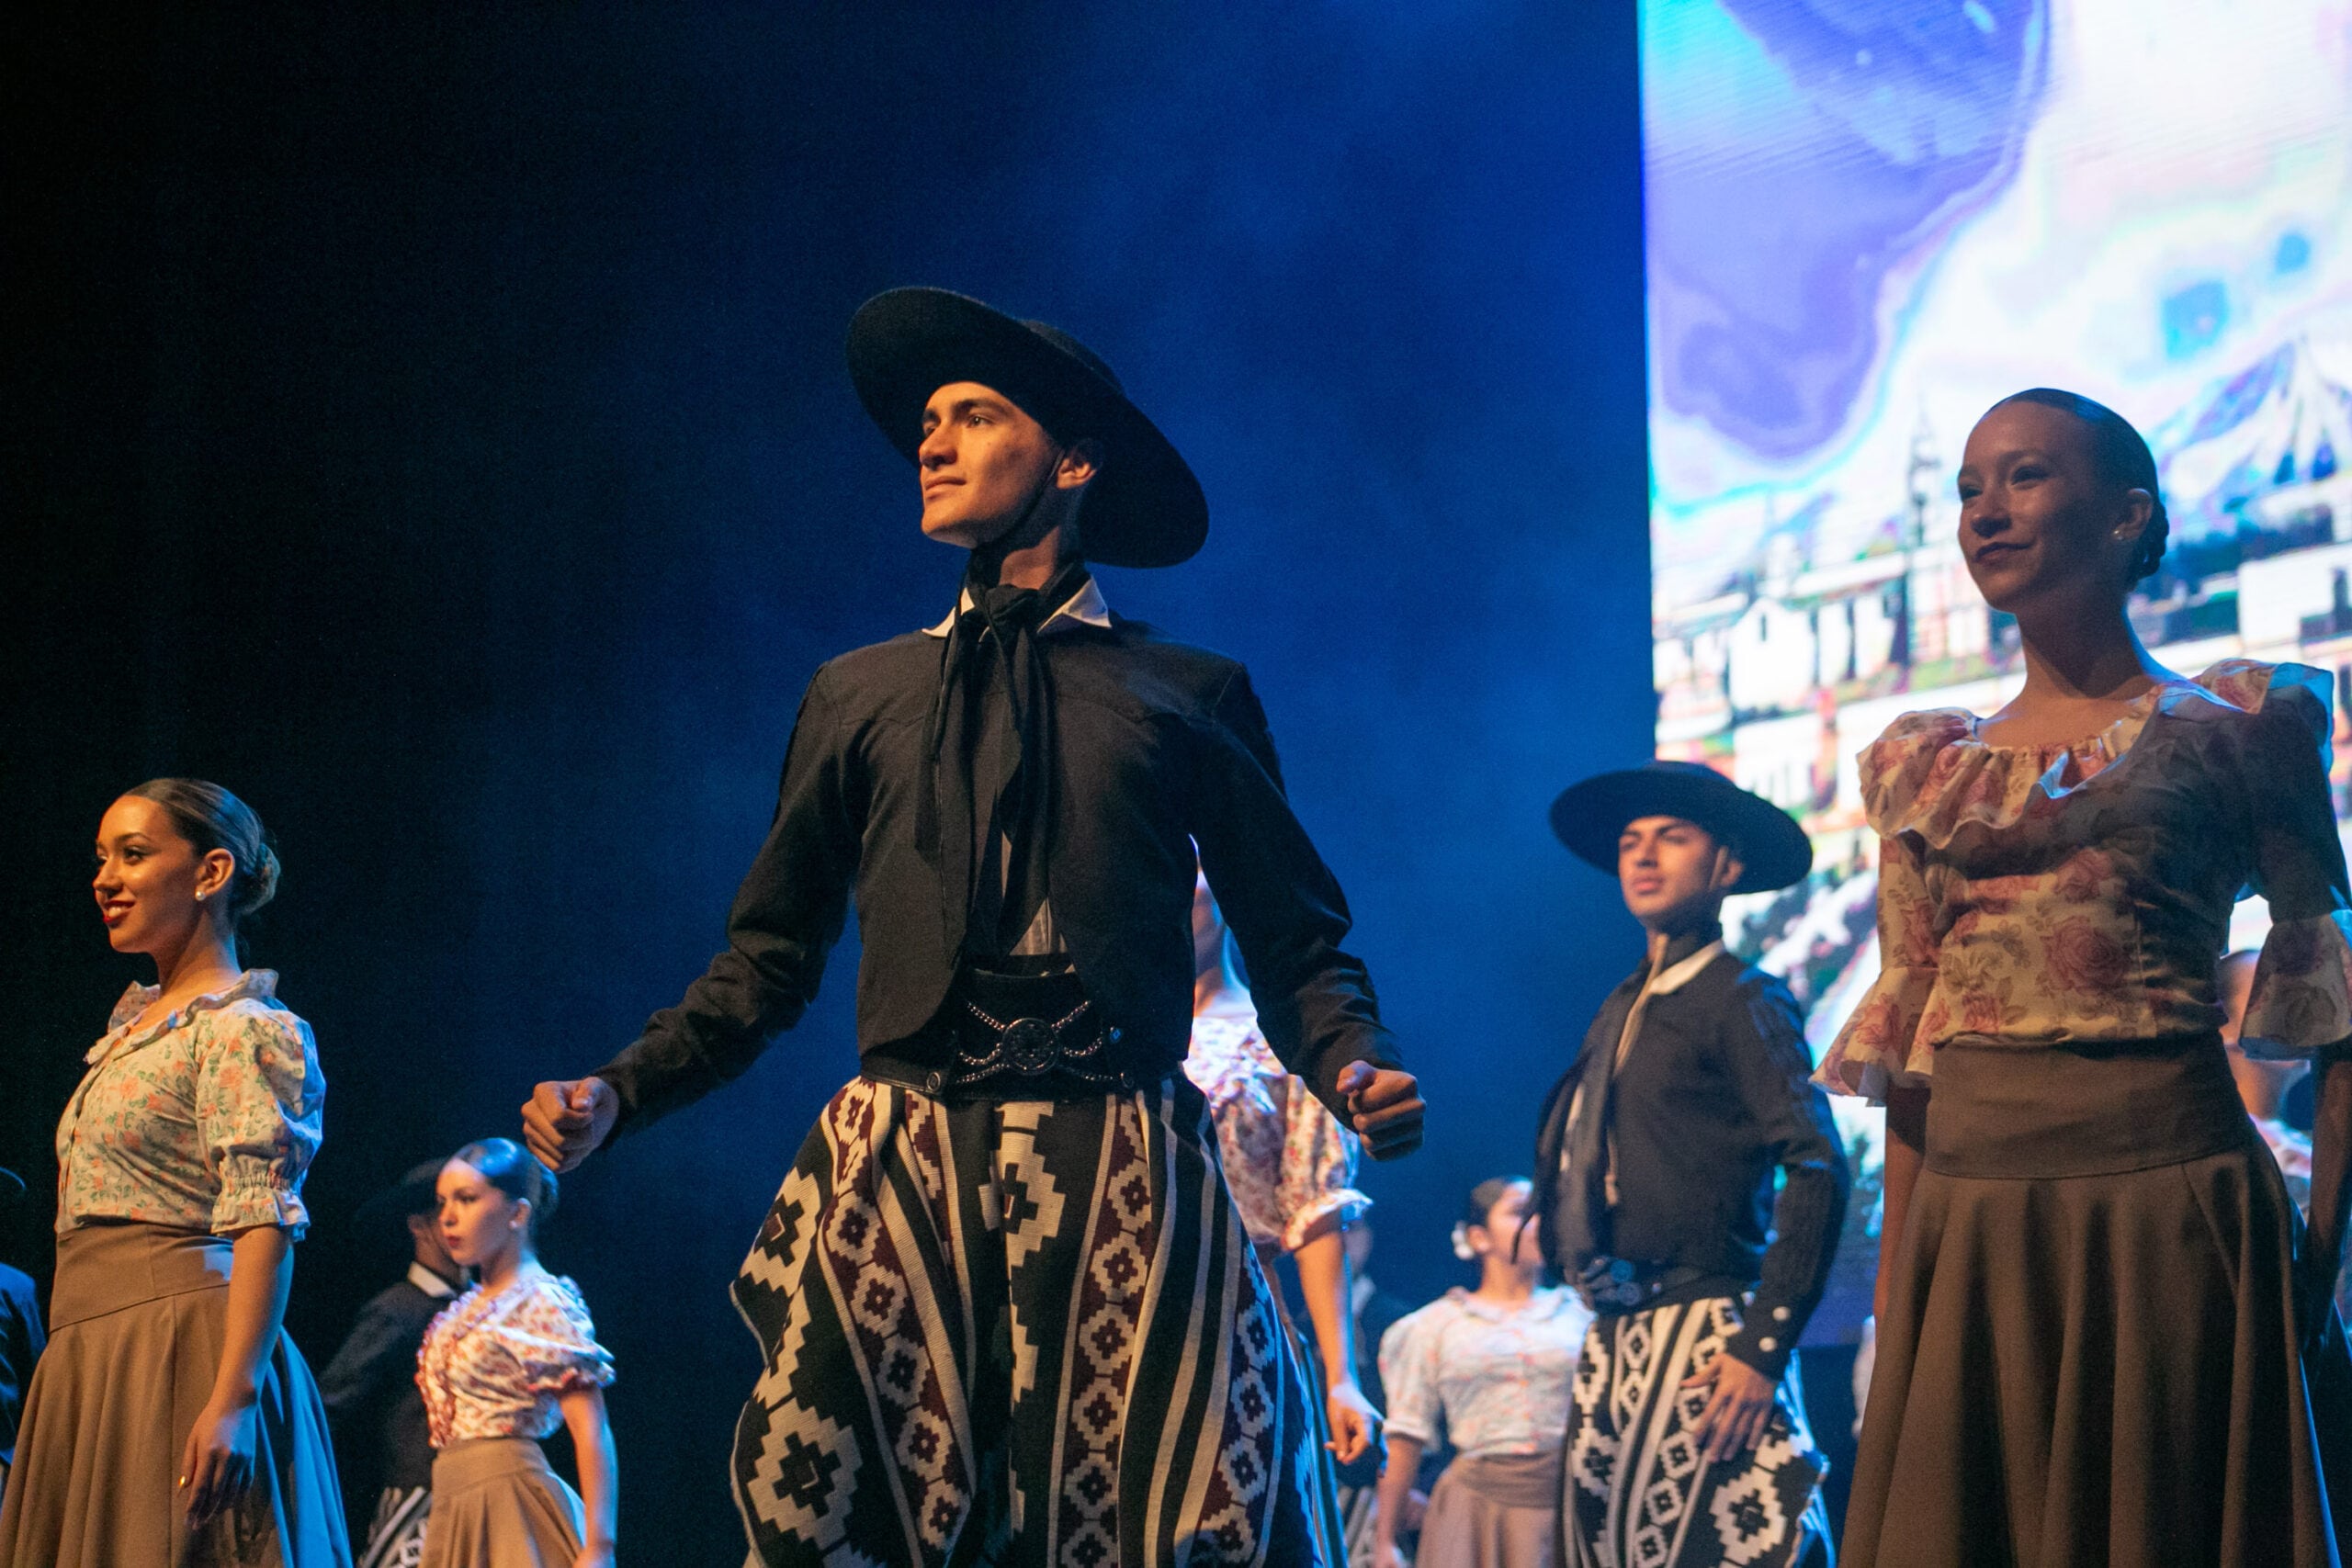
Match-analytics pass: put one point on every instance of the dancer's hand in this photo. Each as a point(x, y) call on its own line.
point(216, 1465)
point(1355, 1425)
point(564, 1123)
point(1385, 1103)
point(1734, 1418)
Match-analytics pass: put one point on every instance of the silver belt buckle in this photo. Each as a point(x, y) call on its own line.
point(1029, 1045)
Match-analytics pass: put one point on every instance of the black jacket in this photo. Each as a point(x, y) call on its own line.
point(1712, 1098)
point(1157, 745)
point(374, 1410)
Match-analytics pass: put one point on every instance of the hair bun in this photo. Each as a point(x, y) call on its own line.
point(258, 883)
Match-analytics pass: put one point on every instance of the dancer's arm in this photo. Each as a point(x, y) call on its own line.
point(217, 1464)
point(1396, 1487)
point(1323, 1279)
point(599, 1467)
point(1906, 1142)
point(2331, 1184)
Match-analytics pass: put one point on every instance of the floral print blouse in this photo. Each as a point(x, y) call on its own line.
point(1291, 1166)
point(2041, 896)
point(498, 1365)
point(1494, 1379)
point(204, 1120)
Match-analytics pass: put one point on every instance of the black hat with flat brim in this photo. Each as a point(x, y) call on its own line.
point(1773, 851)
point(1143, 508)
point(411, 1194)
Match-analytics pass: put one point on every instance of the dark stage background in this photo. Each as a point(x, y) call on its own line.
point(434, 427)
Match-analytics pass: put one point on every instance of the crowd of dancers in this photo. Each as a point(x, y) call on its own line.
point(1019, 1297)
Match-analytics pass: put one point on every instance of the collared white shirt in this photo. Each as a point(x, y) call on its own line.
point(432, 1284)
point(1086, 607)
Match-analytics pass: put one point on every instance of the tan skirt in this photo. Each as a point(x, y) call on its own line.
point(497, 1504)
point(137, 1318)
point(2089, 1353)
point(1494, 1511)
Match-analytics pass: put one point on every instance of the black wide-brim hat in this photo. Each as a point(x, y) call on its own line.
point(411, 1194)
point(1143, 508)
point(1773, 851)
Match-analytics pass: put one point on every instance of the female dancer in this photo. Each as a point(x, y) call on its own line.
point(2094, 1333)
point(507, 1363)
point(1292, 1169)
point(1493, 1366)
point(170, 1420)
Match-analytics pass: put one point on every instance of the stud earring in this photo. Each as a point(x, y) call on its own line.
point(199, 898)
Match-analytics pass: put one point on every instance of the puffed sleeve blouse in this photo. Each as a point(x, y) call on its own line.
point(1291, 1166)
point(204, 1120)
point(2081, 893)
point(1493, 1380)
point(498, 1365)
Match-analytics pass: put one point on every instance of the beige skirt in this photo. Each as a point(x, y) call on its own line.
point(138, 1319)
point(1495, 1511)
point(497, 1504)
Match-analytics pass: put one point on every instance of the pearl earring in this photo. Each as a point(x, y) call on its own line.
point(199, 898)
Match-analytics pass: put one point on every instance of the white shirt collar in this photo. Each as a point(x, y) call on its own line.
point(1086, 608)
point(1680, 974)
point(432, 1284)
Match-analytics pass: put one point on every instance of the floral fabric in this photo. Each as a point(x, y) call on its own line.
point(205, 1120)
point(1290, 1164)
point(2041, 896)
point(498, 1365)
point(1493, 1380)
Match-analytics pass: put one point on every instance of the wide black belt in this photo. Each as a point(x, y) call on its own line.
point(1614, 1285)
point(1026, 1037)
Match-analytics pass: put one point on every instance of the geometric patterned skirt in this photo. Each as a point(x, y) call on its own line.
point(1639, 1490)
point(1018, 1331)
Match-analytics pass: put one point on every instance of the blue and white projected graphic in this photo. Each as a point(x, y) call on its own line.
point(1868, 220)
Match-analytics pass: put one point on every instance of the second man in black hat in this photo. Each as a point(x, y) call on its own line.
point(1008, 1312)
point(1655, 1173)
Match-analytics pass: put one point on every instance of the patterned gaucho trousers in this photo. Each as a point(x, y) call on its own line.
point(1639, 1491)
point(1027, 1332)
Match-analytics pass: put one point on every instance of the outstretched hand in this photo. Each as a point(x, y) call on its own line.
point(563, 1122)
point(1385, 1106)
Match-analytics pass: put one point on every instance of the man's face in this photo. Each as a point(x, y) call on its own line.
point(1673, 871)
point(981, 463)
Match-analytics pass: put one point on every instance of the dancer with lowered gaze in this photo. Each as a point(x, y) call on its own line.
point(1005, 1303)
point(2100, 1327)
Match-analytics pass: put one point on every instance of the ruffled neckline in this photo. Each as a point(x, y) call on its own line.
point(260, 984)
point(1932, 773)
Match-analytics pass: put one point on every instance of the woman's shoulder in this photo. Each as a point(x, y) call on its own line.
point(2295, 698)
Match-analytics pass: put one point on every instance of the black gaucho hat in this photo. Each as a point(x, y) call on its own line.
point(1144, 508)
point(1773, 851)
point(411, 1194)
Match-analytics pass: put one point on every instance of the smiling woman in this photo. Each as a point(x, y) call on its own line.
point(172, 1420)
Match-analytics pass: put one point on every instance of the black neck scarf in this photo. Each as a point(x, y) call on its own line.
point(986, 807)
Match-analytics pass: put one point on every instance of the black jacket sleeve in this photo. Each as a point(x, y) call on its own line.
point(1315, 1000)
point(787, 916)
point(374, 1359)
point(1767, 1048)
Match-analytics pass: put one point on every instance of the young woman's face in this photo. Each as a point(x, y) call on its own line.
point(478, 1221)
point(149, 878)
point(1510, 1230)
point(2037, 513)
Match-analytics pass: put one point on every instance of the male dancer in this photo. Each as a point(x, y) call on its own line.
point(1688, 1445)
point(374, 1411)
point(1007, 1309)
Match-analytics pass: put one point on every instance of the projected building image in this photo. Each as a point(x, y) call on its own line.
point(1867, 224)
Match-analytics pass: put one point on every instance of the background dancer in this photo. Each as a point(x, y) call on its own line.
point(171, 1420)
point(501, 1369)
point(1655, 1173)
point(1489, 1370)
point(383, 1444)
point(1013, 1208)
point(2094, 1332)
point(21, 1339)
point(1291, 1168)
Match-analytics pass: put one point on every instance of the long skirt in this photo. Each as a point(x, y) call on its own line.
point(2089, 1351)
point(1639, 1491)
point(1494, 1511)
point(497, 1504)
point(1023, 1331)
point(137, 1318)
